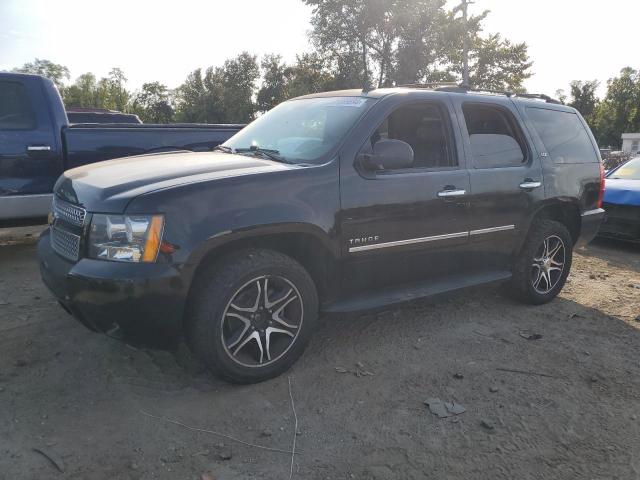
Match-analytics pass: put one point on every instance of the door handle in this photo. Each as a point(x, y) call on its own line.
point(451, 193)
point(530, 184)
point(39, 148)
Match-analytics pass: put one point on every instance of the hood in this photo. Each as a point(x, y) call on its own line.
point(109, 186)
point(622, 191)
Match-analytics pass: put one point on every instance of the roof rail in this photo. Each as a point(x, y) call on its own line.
point(430, 85)
point(462, 88)
point(541, 96)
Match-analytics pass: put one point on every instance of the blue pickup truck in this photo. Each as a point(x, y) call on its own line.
point(37, 144)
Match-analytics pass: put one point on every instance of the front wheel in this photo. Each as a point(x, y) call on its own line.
point(252, 315)
point(544, 263)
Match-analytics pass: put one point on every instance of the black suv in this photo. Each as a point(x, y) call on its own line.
point(333, 202)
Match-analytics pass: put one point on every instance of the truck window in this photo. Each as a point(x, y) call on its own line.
point(15, 109)
point(495, 138)
point(425, 128)
point(563, 135)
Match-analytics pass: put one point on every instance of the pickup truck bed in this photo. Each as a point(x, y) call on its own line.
point(37, 144)
point(88, 143)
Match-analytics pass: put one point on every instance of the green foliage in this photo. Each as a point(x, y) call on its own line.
point(55, 72)
point(408, 41)
point(191, 98)
point(495, 64)
point(619, 111)
point(153, 103)
point(222, 95)
point(275, 82)
point(110, 92)
point(382, 41)
point(583, 98)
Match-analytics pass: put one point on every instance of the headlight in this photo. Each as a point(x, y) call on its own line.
point(125, 238)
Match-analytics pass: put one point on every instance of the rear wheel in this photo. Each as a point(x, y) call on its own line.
point(544, 263)
point(252, 315)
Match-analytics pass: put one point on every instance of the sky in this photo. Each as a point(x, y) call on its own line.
point(165, 40)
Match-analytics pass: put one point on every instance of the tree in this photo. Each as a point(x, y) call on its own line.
point(409, 41)
point(498, 64)
point(109, 92)
point(619, 111)
point(276, 76)
point(378, 33)
point(310, 74)
point(191, 99)
point(115, 94)
point(222, 95)
point(153, 104)
point(82, 93)
point(583, 98)
point(55, 72)
point(238, 78)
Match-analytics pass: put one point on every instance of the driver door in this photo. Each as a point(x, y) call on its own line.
point(410, 224)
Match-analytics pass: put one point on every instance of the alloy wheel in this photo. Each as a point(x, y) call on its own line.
point(262, 321)
point(548, 264)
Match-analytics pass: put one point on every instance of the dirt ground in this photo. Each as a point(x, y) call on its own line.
point(80, 397)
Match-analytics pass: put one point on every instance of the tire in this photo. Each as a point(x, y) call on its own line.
point(540, 284)
point(230, 293)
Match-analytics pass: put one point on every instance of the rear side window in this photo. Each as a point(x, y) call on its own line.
point(495, 138)
point(15, 109)
point(563, 135)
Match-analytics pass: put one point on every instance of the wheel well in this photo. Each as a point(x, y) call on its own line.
point(568, 215)
point(302, 247)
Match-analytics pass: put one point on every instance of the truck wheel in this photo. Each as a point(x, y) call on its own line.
point(252, 315)
point(543, 265)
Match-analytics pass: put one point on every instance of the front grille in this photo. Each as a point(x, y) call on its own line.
point(65, 243)
point(68, 212)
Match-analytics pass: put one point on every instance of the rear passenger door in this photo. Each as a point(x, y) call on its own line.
point(505, 177)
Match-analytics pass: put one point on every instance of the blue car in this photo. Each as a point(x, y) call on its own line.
point(622, 202)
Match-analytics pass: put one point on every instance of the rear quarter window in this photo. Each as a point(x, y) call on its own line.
point(15, 108)
point(563, 135)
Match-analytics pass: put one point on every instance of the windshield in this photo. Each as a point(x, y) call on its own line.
point(301, 131)
point(628, 171)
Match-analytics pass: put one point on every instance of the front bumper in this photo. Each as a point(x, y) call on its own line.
point(590, 224)
point(146, 299)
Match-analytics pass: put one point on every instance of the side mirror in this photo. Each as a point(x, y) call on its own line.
point(389, 155)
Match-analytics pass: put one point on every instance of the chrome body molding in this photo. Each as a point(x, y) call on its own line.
point(409, 241)
point(492, 229)
point(25, 206)
point(597, 211)
point(446, 236)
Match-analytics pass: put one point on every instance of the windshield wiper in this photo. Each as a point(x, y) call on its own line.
point(223, 148)
point(265, 152)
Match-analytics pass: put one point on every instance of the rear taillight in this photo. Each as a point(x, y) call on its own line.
point(601, 192)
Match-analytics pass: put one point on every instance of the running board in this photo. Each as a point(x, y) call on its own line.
point(405, 293)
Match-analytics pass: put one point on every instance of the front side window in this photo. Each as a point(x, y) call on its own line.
point(425, 128)
point(495, 139)
point(15, 109)
point(563, 135)
point(302, 131)
point(635, 145)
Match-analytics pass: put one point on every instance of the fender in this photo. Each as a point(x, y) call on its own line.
point(225, 238)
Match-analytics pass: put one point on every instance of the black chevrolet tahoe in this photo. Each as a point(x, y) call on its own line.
point(332, 202)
